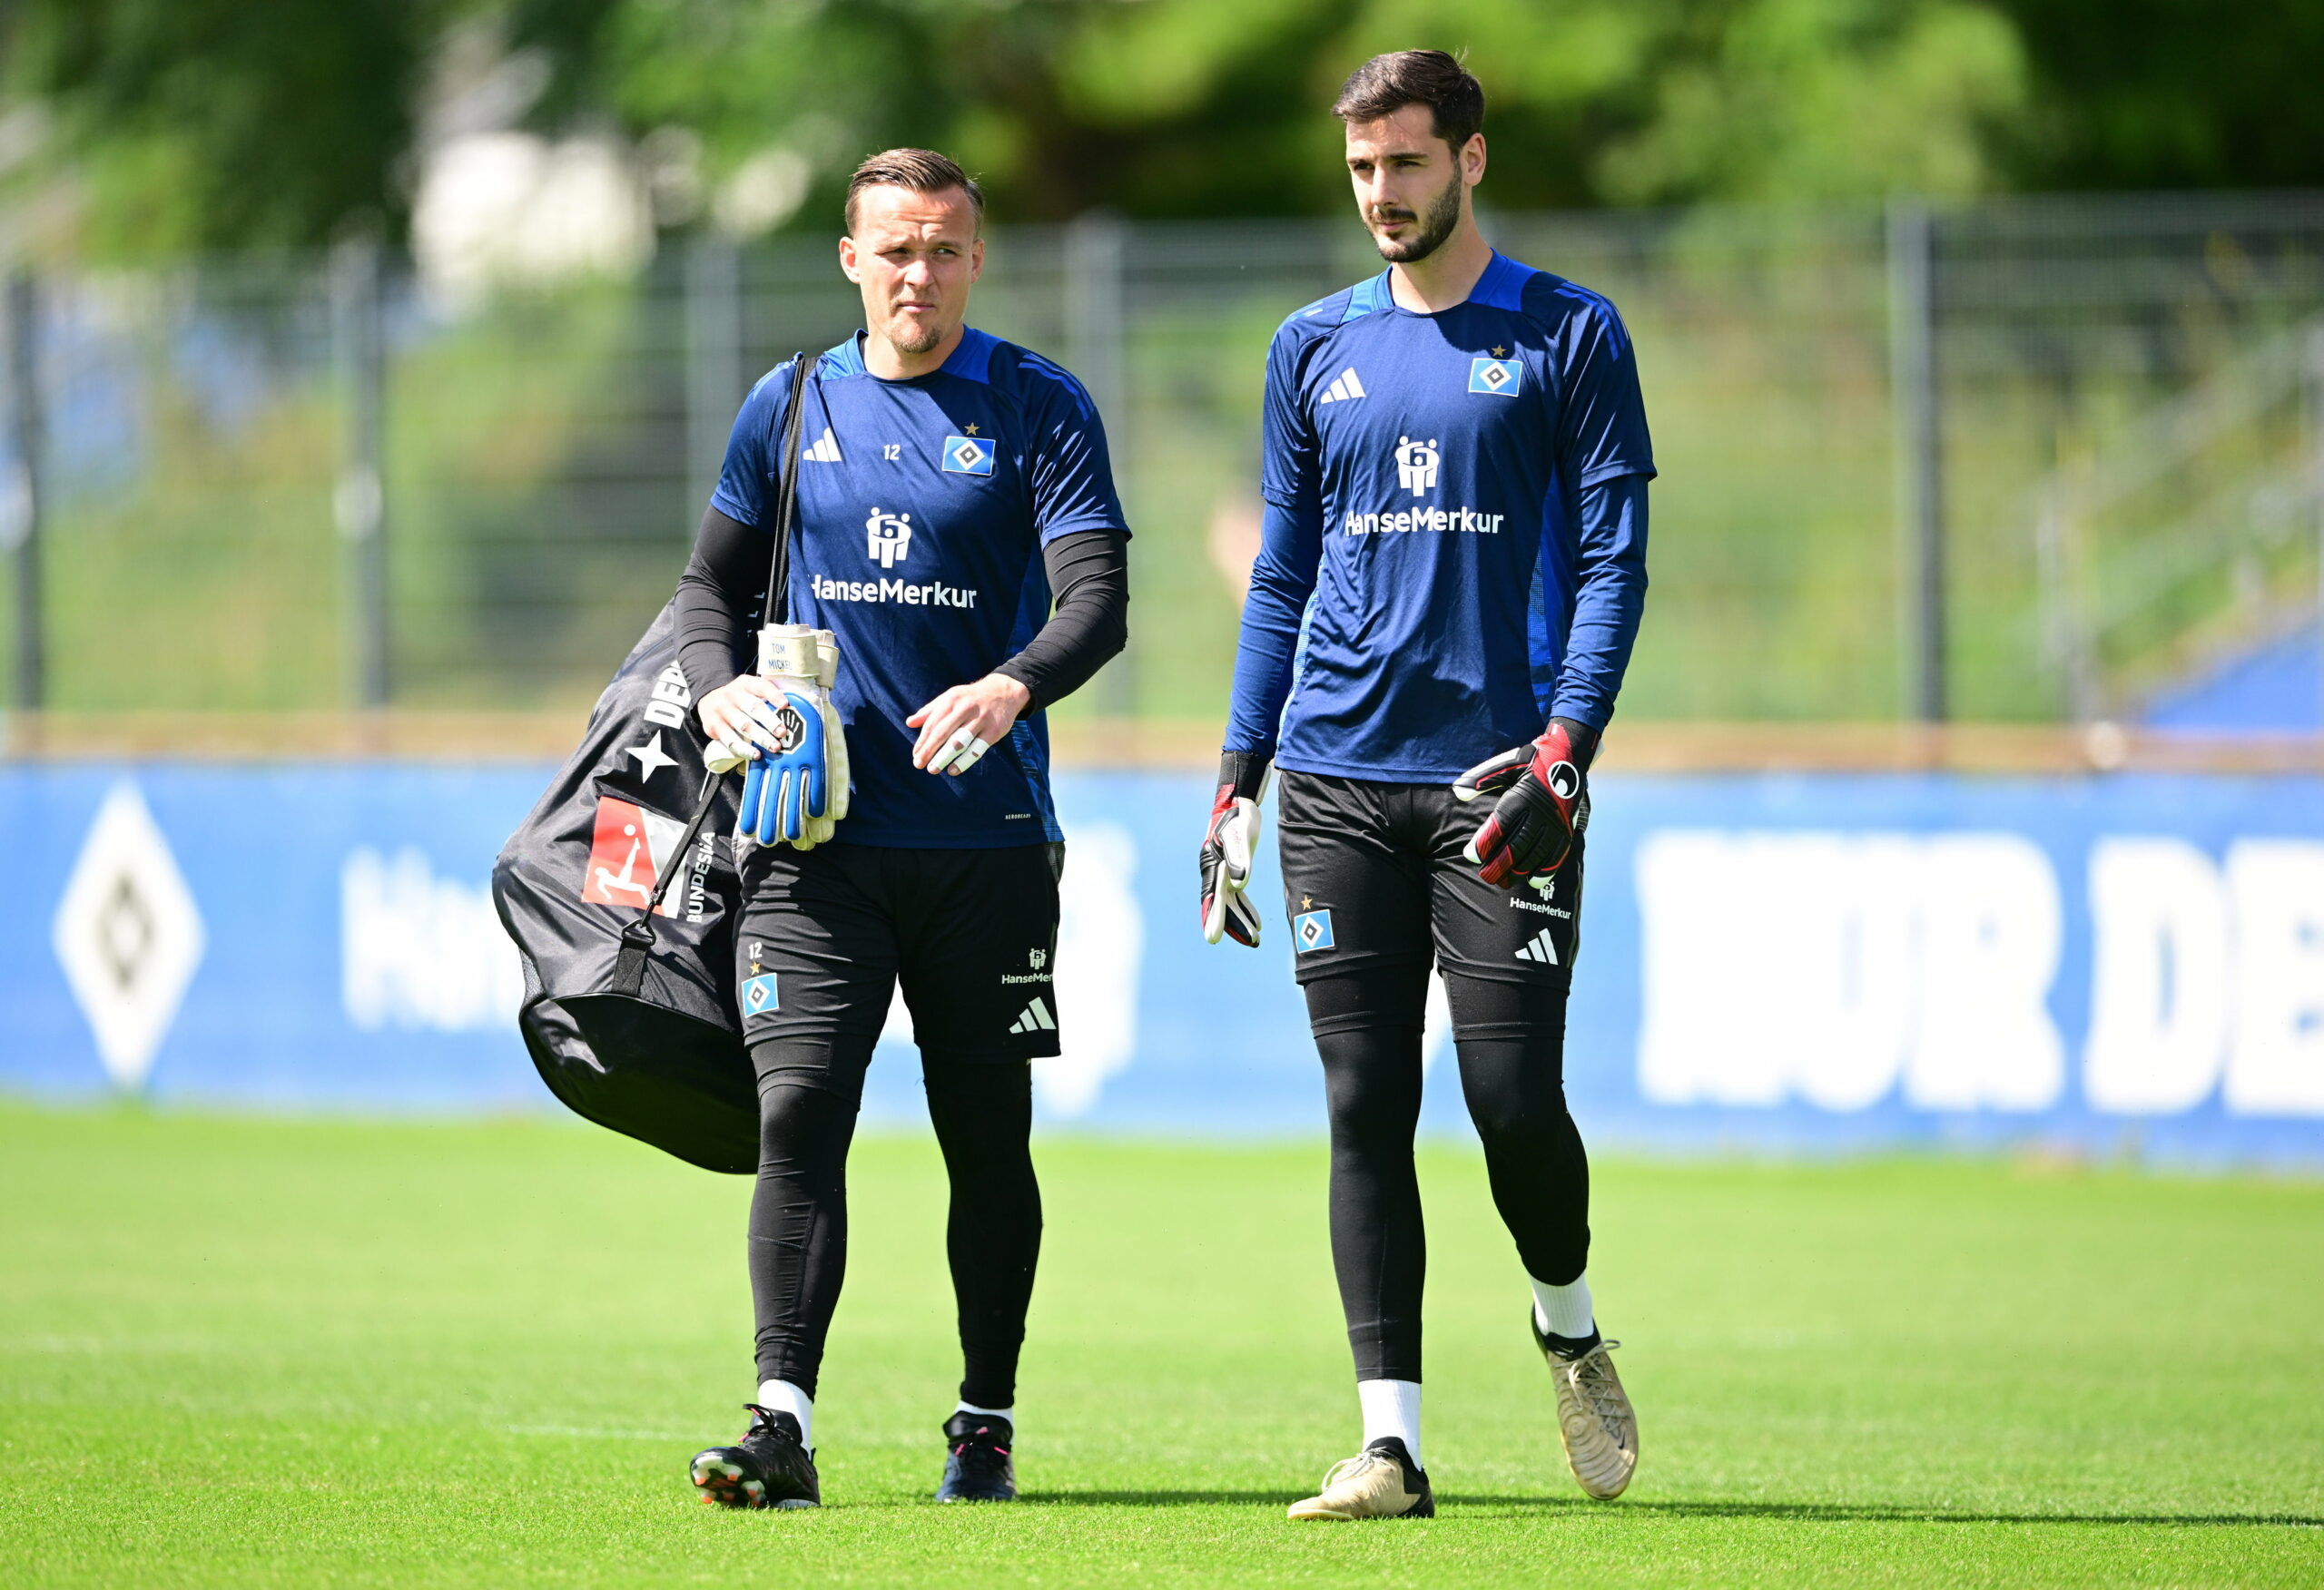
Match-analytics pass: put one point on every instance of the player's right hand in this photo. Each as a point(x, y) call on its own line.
point(731, 719)
point(1543, 805)
point(1227, 846)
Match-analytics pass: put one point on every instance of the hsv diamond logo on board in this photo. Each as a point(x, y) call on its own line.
point(627, 852)
point(128, 935)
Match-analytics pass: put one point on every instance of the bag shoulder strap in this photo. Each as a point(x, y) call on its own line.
point(637, 937)
point(786, 510)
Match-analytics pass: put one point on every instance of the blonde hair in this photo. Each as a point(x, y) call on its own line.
point(923, 170)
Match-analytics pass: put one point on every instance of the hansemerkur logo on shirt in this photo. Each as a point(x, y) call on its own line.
point(1418, 463)
point(887, 542)
point(888, 537)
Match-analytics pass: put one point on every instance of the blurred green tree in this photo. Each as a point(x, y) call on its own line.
point(222, 123)
point(2171, 94)
point(1212, 107)
point(182, 124)
point(1822, 98)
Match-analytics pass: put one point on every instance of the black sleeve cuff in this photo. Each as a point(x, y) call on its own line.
point(1244, 772)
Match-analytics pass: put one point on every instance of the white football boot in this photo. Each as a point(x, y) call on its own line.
point(1380, 1482)
point(1595, 1419)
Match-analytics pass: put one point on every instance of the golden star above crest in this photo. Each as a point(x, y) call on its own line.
point(1306, 902)
point(971, 429)
point(1501, 352)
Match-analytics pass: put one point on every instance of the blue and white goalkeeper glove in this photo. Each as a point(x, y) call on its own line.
point(796, 793)
point(786, 789)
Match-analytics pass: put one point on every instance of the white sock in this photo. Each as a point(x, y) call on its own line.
point(1008, 1413)
point(1564, 1310)
point(782, 1397)
point(1392, 1408)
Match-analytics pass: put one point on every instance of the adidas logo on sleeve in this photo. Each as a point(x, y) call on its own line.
point(1344, 387)
point(1540, 948)
point(825, 450)
point(1036, 1019)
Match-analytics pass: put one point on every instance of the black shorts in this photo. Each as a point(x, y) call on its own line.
point(826, 934)
point(1372, 876)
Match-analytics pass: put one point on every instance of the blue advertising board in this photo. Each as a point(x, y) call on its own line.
point(2127, 964)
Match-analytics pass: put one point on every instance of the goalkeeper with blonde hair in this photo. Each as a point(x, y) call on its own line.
point(957, 535)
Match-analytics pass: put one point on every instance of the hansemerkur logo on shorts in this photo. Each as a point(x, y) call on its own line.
point(1036, 958)
point(1546, 886)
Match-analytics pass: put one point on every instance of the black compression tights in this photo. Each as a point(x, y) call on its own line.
point(1510, 1041)
point(798, 1240)
point(983, 1115)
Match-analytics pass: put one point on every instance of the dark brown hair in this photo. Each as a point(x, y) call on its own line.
point(923, 170)
point(1386, 83)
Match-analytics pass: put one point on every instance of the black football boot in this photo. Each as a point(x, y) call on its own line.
point(979, 1468)
point(768, 1467)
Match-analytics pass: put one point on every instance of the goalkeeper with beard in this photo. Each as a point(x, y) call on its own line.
point(1454, 463)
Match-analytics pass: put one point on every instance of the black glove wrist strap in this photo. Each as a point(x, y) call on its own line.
point(1244, 772)
point(1583, 738)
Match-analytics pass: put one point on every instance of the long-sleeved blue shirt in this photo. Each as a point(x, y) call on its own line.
point(1455, 533)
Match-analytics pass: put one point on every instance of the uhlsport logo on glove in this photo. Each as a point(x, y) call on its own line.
point(790, 729)
point(887, 538)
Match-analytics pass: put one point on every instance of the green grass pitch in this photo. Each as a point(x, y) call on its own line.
point(239, 1351)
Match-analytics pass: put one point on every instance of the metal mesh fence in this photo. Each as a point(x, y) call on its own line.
point(247, 473)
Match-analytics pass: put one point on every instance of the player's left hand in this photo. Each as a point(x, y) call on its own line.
point(1543, 805)
point(1227, 846)
point(959, 726)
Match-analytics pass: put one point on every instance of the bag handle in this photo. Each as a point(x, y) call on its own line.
point(637, 938)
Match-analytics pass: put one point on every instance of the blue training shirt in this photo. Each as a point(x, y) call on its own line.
point(923, 507)
point(1454, 542)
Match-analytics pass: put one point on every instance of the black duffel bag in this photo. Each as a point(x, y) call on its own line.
point(624, 911)
point(629, 1015)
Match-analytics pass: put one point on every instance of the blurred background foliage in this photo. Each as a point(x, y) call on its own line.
point(138, 129)
point(603, 218)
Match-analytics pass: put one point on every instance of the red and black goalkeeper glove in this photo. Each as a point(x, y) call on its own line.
point(1227, 846)
point(1543, 805)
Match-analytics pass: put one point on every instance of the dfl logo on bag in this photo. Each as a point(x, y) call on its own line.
point(627, 850)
